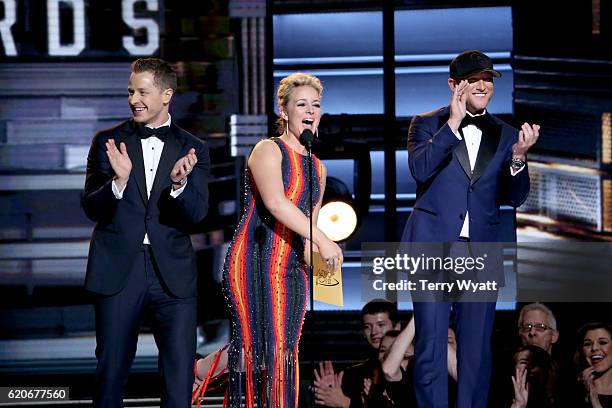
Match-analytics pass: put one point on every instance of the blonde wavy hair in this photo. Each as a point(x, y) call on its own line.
point(286, 87)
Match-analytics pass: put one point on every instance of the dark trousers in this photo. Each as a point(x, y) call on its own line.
point(118, 319)
point(473, 329)
point(474, 325)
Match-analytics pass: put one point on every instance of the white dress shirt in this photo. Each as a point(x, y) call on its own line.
point(473, 136)
point(152, 148)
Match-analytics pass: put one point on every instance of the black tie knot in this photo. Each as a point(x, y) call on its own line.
point(479, 121)
point(161, 132)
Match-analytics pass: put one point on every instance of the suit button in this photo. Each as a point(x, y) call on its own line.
point(461, 216)
point(149, 217)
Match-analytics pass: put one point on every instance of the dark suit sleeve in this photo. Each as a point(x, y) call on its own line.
point(515, 189)
point(98, 200)
point(192, 204)
point(428, 148)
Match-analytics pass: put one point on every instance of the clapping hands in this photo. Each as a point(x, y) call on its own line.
point(119, 161)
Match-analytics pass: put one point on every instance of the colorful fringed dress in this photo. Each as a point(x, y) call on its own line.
point(266, 285)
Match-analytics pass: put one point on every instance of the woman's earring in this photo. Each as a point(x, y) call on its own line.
point(287, 127)
point(316, 133)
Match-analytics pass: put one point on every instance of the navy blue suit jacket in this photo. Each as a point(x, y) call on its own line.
point(447, 188)
point(121, 224)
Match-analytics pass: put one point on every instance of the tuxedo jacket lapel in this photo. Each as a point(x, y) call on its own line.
point(488, 146)
point(170, 155)
point(462, 155)
point(460, 150)
point(134, 148)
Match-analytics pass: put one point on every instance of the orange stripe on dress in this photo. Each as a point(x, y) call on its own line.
point(299, 334)
point(278, 266)
point(296, 195)
point(237, 286)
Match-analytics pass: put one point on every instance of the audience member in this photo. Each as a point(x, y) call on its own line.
point(594, 360)
point(346, 389)
point(535, 378)
point(537, 326)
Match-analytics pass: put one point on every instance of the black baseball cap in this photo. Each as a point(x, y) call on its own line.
point(471, 62)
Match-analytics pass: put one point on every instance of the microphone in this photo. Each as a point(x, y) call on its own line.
point(306, 138)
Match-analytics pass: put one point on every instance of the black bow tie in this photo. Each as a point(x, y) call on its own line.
point(479, 121)
point(161, 132)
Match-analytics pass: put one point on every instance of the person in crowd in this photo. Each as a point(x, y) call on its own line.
point(265, 279)
point(464, 152)
point(146, 186)
point(396, 355)
point(391, 384)
point(535, 379)
point(594, 360)
point(346, 388)
point(537, 326)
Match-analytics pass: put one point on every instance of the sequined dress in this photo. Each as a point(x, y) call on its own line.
point(266, 286)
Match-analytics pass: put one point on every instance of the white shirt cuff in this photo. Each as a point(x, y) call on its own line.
point(118, 194)
point(176, 193)
point(515, 172)
point(457, 134)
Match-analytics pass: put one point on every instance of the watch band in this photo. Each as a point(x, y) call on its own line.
point(181, 182)
point(517, 163)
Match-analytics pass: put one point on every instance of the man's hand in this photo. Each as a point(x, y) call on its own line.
point(528, 136)
point(120, 162)
point(328, 387)
point(324, 376)
point(183, 167)
point(458, 105)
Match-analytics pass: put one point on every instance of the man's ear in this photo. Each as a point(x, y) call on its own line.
point(555, 336)
point(398, 326)
point(452, 84)
point(167, 96)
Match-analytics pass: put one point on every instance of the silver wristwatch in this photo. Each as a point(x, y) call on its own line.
point(517, 164)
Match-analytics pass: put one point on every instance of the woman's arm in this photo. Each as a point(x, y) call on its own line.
point(265, 165)
point(391, 365)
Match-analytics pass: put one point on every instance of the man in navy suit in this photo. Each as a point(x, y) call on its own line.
point(466, 162)
point(146, 186)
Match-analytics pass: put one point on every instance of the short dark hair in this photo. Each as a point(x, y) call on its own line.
point(381, 306)
point(164, 76)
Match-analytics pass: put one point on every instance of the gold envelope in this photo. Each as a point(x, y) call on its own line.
point(327, 283)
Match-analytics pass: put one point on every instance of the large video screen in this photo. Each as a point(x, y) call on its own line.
point(78, 29)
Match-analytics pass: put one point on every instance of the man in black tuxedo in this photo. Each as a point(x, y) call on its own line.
point(146, 186)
